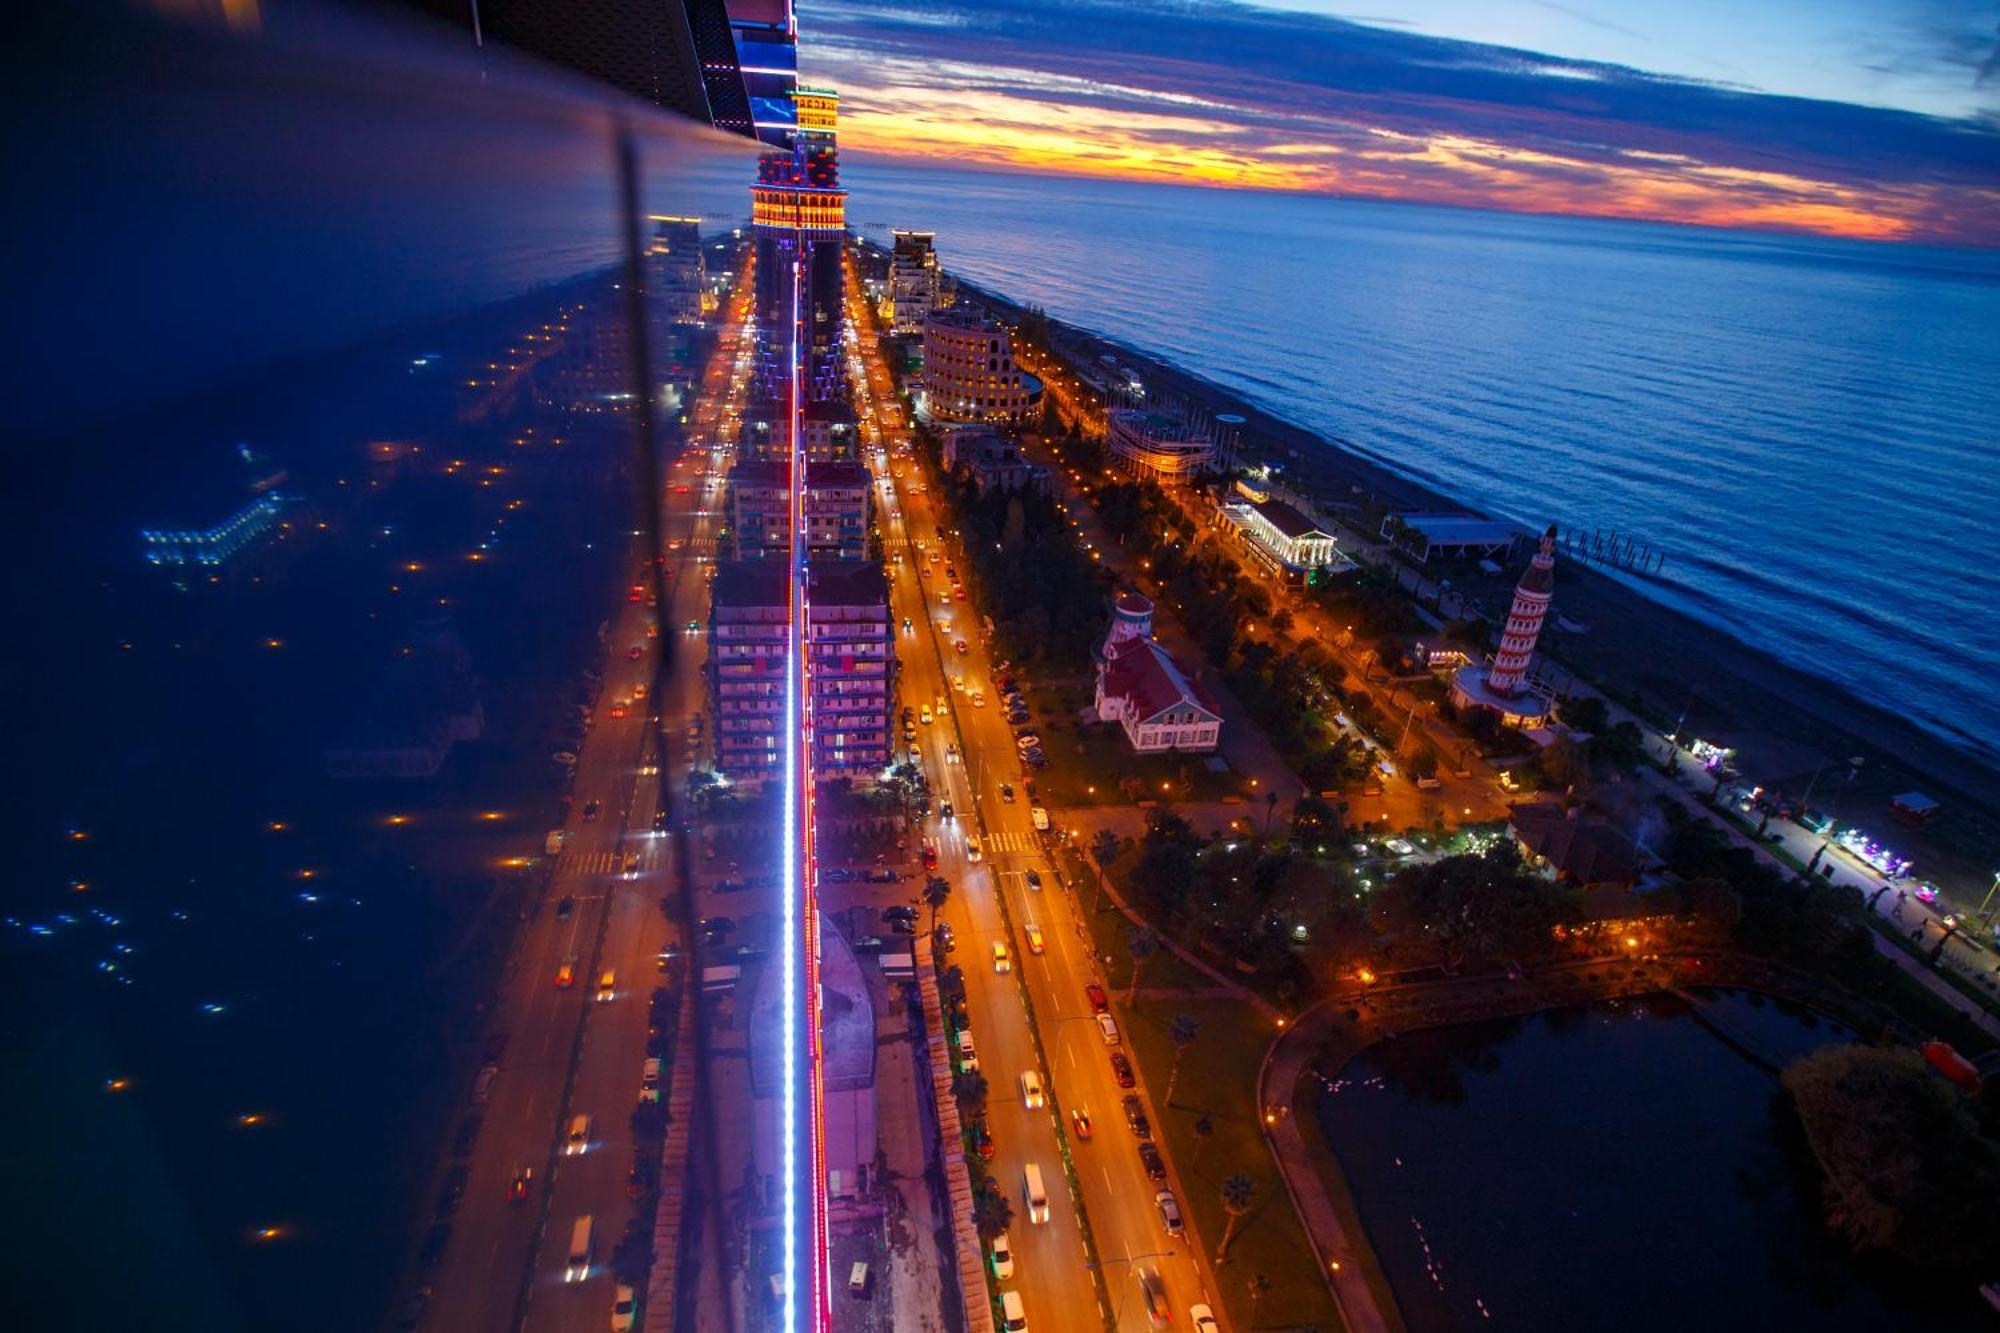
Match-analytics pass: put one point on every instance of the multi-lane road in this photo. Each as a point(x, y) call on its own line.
point(970, 752)
point(577, 1049)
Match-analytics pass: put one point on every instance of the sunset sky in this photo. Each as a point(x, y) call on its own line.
point(1876, 119)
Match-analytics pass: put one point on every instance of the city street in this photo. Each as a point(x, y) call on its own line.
point(970, 752)
point(568, 1052)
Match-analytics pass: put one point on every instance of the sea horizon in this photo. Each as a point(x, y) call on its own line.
point(1619, 405)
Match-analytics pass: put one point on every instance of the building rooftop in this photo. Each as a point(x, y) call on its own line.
point(761, 472)
point(1288, 520)
point(1131, 603)
point(1145, 673)
point(847, 583)
point(1580, 847)
point(1461, 529)
point(836, 472)
point(751, 583)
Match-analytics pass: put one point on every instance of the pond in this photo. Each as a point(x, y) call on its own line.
point(1607, 1166)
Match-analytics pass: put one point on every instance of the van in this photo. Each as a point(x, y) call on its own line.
point(1013, 1315)
point(579, 1251)
point(857, 1281)
point(968, 1059)
point(1033, 1195)
point(578, 1138)
point(1040, 817)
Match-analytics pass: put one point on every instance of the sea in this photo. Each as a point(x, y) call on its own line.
point(1806, 430)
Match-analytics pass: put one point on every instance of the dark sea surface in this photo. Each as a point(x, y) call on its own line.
point(1610, 1166)
point(1808, 429)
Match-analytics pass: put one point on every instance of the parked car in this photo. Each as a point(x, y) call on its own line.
point(1149, 1157)
point(1099, 1002)
point(1121, 1070)
point(1170, 1212)
point(1135, 1117)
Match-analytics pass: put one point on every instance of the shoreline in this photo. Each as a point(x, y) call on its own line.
point(1785, 722)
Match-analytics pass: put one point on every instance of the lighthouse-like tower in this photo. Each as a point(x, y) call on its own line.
point(1503, 685)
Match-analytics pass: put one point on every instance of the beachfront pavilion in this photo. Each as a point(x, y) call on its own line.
point(1454, 534)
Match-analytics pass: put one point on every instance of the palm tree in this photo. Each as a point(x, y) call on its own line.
point(1204, 1130)
point(1104, 850)
point(1183, 1031)
point(937, 892)
point(1260, 1287)
point(1238, 1192)
point(991, 1212)
point(1143, 944)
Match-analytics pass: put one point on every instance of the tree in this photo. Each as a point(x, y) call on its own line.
point(1143, 944)
point(1905, 1164)
point(1481, 908)
point(968, 1089)
point(1185, 1028)
point(991, 1212)
point(1204, 1130)
point(1260, 1287)
point(937, 892)
point(1238, 1193)
point(1104, 846)
point(1587, 713)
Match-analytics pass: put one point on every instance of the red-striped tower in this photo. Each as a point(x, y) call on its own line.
point(1532, 596)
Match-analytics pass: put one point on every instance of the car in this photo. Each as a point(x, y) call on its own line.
point(1135, 1116)
point(1203, 1318)
point(635, 652)
point(972, 849)
point(906, 625)
point(566, 975)
point(1107, 1027)
point(715, 927)
point(1099, 1003)
point(1034, 879)
point(590, 811)
point(1031, 1090)
point(1149, 1157)
point(1003, 1256)
point(930, 856)
point(961, 645)
point(1079, 1120)
point(982, 1140)
point(958, 595)
point(979, 698)
point(620, 708)
point(607, 987)
point(925, 715)
point(566, 906)
point(1002, 960)
point(517, 1188)
point(1034, 934)
point(1007, 792)
point(899, 913)
point(1121, 1070)
point(1154, 1293)
point(1027, 740)
point(624, 1309)
point(945, 940)
point(1170, 1212)
point(947, 811)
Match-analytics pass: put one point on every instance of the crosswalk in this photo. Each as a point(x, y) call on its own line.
point(607, 863)
point(1007, 840)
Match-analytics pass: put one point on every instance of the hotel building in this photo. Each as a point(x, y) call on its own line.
point(1281, 539)
point(969, 371)
point(749, 615)
point(913, 281)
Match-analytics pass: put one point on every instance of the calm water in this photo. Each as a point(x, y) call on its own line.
point(1503, 1188)
point(1806, 428)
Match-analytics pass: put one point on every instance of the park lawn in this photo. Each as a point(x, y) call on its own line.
point(1107, 927)
point(1087, 764)
point(1219, 1078)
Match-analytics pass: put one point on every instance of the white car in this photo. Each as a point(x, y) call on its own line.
point(1203, 1319)
point(1031, 1090)
point(979, 698)
point(1107, 1027)
point(1003, 1256)
point(925, 716)
point(1002, 960)
point(972, 849)
point(624, 1310)
point(1170, 1212)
